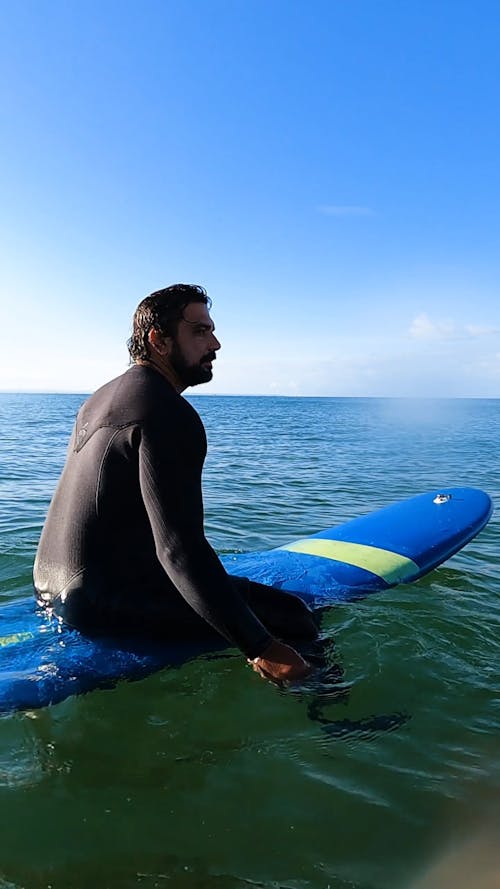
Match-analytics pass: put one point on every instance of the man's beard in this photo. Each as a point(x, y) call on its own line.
point(191, 374)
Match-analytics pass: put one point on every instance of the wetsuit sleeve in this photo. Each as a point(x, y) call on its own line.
point(171, 490)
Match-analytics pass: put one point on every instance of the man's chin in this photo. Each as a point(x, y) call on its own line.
point(202, 375)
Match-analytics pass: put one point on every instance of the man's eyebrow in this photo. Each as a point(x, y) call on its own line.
point(201, 325)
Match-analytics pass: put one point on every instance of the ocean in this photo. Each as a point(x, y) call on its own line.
point(206, 777)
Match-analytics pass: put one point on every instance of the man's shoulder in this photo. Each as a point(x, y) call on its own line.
point(126, 400)
point(140, 396)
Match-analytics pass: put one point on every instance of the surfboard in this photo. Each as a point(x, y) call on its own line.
point(43, 662)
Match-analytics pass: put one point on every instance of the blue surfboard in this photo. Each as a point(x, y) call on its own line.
point(43, 662)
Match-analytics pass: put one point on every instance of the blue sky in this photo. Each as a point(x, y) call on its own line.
point(328, 170)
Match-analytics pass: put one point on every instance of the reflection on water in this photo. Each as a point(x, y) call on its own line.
point(23, 756)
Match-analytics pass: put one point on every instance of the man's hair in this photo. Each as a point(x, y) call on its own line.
point(162, 311)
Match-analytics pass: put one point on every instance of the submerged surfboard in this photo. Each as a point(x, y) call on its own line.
point(43, 662)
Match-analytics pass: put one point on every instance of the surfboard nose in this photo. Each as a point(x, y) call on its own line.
point(405, 540)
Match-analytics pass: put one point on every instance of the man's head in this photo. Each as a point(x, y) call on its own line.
point(172, 329)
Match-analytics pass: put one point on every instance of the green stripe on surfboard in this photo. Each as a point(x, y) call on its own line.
point(390, 566)
point(14, 639)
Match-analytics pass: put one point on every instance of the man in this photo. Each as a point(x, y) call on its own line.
point(123, 548)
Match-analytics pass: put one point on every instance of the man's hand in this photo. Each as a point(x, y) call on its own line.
point(280, 662)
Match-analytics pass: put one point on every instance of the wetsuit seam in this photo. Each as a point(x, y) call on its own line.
point(101, 465)
point(66, 584)
point(117, 426)
point(80, 571)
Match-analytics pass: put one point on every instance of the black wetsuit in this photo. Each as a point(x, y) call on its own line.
point(123, 548)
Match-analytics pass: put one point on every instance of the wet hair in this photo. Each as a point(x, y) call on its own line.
point(162, 311)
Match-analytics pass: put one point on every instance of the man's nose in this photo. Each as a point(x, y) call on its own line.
point(215, 343)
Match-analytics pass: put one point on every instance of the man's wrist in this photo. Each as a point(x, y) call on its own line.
point(258, 652)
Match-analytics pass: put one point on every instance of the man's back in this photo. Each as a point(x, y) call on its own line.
point(98, 535)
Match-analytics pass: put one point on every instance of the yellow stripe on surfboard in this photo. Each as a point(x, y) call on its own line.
point(390, 566)
point(14, 638)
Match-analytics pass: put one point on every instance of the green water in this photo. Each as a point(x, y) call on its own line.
point(206, 776)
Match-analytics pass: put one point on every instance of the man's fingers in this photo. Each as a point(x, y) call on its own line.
point(262, 673)
point(279, 662)
point(257, 669)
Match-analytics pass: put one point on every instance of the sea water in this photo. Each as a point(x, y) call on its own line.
point(207, 777)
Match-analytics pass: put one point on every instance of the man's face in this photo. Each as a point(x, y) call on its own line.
point(194, 346)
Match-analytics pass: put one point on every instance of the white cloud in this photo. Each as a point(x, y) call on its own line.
point(476, 330)
point(342, 210)
point(423, 328)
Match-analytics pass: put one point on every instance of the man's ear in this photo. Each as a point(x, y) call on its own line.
point(159, 342)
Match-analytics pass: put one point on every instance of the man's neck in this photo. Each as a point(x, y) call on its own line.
point(163, 366)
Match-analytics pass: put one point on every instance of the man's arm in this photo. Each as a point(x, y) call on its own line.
point(171, 488)
point(171, 491)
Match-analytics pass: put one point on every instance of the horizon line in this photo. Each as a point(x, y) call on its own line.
point(272, 395)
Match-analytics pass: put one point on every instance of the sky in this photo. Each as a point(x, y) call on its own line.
point(328, 170)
